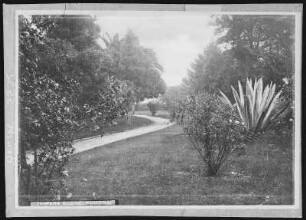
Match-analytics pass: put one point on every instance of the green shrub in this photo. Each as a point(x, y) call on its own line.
point(153, 107)
point(284, 125)
point(213, 128)
point(53, 105)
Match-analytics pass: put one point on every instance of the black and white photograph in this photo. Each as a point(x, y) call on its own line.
point(153, 110)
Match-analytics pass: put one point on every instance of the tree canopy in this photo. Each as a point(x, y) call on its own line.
point(67, 80)
point(247, 46)
point(133, 62)
point(264, 43)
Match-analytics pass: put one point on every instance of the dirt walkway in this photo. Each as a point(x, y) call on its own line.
point(90, 143)
point(87, 144)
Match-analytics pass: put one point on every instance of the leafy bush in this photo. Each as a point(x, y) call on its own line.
point(153, 107)
point(213, 128)
point(284, 124)
point(259, 109)
point(50, 111)
point(178, 108)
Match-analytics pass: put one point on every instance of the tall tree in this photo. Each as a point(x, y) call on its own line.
point(80, 30)
point(247, 46)
point(88, 62)
point(263, 44)
point(213, 70)
point(137, 64)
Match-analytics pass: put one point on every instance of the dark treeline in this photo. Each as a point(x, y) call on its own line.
point(247, 46)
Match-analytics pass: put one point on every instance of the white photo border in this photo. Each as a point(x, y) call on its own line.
point(11, 13)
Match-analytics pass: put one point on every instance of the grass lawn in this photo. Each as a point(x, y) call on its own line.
point(162, 168)
point(121, 125)
point(160, 113)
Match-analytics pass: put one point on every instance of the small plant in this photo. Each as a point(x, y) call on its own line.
point(258, 109)
point(153, 107)
point(213, 129)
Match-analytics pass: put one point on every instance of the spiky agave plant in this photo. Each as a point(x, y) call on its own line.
point(257, 107)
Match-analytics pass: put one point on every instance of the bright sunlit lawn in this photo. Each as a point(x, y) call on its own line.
point(162, 168)
point(120, 126)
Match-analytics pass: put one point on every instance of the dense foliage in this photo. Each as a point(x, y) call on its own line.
point(284, 124)
point(213, 128)
point(262, 45)
point(170, 97)
point(211, 71)
point(135, 63)
point(248, 46)
point(47, 110)
point(66, 80)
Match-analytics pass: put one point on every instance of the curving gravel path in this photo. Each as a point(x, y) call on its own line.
point(87, 144)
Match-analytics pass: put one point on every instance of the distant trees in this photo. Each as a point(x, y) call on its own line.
point(153, 107)
point(135, 63)
point(86, 61)
point(247, 46)
point(171, 95)
point(211, 71)
point(263, 45)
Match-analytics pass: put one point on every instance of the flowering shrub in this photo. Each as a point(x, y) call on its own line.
point(213, 128)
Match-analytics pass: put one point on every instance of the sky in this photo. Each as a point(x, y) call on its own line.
point(176, 37)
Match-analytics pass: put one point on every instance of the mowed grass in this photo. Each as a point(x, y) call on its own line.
point(162, 168)
point(121, 125)
point(160, 113)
